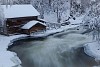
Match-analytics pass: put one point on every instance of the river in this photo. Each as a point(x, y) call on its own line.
point(61, 50)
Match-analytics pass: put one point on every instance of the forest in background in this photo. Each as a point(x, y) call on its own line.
point(57, 10)
point(61, 10)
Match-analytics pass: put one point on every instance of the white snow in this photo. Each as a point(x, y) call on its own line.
point(93, 49)
point(7, 58)
point(10, 58)
point(19, 11)
point(78, 20)
point(5, 41)
point(30, 24)
point(63, 28)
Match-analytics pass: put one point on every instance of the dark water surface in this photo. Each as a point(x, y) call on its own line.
point(55, 51)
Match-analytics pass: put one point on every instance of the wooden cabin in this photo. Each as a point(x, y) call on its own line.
point(33, 26)
point(13, 25)
point(17, 16)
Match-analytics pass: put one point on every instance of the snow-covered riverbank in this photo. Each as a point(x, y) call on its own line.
point(93, 49)
point(10, 58)
point(53, 31)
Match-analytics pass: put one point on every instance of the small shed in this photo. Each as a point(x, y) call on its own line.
point(33, 26)
point(18, 15)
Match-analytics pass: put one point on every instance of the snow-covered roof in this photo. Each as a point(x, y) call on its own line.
point(19, 11)
point(30, 24)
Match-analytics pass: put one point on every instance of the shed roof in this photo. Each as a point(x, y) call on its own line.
point(19, 11)
point(30, 24)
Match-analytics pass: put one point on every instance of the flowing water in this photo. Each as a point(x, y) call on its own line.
point(62, 50)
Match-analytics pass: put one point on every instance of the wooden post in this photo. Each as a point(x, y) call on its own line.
point(5, 27)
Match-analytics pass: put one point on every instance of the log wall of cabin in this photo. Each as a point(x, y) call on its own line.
point(13, 30)
point(35, 28)
point(19, 21)
point(14, 24)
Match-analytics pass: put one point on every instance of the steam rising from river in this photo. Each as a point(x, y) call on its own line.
point(55, 51)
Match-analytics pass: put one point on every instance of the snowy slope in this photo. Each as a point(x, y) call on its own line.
point(10, 58)
point(93, 49)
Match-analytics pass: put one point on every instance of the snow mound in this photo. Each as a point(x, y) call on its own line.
point(10, 58)
point(93, 49)
point(7, 58)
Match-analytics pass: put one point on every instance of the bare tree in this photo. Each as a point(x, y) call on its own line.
point(40, 6)
point(1, 16)
point(59, 6)
point(93, 19)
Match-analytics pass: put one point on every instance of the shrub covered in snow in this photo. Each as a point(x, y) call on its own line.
point(92, 20)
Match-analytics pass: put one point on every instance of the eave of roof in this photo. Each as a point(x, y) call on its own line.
point(30, 24)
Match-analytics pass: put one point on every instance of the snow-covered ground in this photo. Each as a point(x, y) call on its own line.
point(5, 41)
point(10, 58)
point(63, 28)
point(78, 20)
point(74, 23)
point(7, 58)
point(93, 49)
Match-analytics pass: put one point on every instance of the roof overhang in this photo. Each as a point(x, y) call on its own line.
point(31, 24)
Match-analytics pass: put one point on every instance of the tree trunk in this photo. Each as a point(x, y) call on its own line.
point(70, 6)
point(42, 10)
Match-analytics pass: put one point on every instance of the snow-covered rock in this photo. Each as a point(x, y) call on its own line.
point(6, 40)
point(78, 20)
point(93, 49)
point(8, 58)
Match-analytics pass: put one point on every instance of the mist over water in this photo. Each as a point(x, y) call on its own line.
point(54, 51)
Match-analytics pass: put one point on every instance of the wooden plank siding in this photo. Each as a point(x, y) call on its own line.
point(14, 24)
point(19, 21)
point(34, 28)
